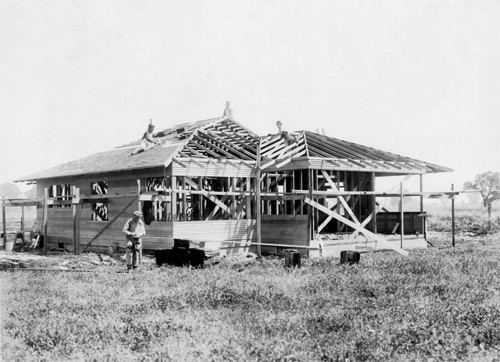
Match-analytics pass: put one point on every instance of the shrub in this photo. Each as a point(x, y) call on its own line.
point(473, 223)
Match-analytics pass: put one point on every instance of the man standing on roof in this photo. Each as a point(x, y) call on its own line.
point(148, 140)
point(228, 112)
point(134, 230)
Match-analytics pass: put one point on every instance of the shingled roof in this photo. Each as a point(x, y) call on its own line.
point(216, 137)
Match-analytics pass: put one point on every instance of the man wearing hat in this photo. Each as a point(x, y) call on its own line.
point(148, 140)
point(134, 230)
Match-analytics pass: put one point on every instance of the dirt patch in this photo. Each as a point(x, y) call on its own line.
point(59, 260)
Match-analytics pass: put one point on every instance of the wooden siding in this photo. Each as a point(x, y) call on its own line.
point(216, 230)
point(219, 234)
point(60, 223)
point(285, 229)
point(413, 223)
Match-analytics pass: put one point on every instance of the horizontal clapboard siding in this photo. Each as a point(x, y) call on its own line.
point(285, 229)
point(60, 220)
point(216, 230)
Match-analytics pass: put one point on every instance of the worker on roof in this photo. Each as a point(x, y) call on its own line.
point(228, 112)
point(148, 140)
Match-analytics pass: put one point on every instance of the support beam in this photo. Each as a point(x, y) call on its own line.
point(4, 224)
point(248, 198)
point(374, 202)
point(22, 221)
point(138, 193)
point(45, 213)
point(258, 204)
point(76, 219)
point(173, 205)
point(452, 218)
point(200, 202)
point(421, 189)
point(402, 214)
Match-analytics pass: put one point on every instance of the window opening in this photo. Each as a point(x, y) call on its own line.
point(60, 192)
point(158, 207)
point(99, 209)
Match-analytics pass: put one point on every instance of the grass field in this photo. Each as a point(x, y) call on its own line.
point(442, 303)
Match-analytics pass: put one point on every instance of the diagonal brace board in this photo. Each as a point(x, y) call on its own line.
point(358, 227)
point(106, 227)
point(341, 198)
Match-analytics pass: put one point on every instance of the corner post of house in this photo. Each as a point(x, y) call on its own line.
point(258, 202)
point(452, 216)
point(374, 203)
point(45, 217)
point(3, 223)
point(402, 214)
point(76, 219)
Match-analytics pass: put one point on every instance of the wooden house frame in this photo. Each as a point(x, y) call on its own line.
point(221, 186)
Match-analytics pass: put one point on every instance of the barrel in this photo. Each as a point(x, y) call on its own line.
point(349, 257)
point(292, 258)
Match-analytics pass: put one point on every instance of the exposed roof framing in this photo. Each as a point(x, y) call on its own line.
point(276, 152)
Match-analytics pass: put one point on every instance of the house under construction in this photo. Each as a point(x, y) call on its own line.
point(221, 186)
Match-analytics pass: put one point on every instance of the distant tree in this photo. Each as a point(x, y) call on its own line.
point(488, 184)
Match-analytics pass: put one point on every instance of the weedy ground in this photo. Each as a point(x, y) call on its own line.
point(442, 303)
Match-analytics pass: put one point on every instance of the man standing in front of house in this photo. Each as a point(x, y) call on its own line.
point(134, 230)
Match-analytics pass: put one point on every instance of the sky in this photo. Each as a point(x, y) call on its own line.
point(417, 78)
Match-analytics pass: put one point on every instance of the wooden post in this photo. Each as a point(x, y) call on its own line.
point(201, 200)
point(422, 206)
point(402, 214)
point(339, 205)
point(174, 199)
point(76, 219)
point(452, 217)
point(138, 193)
point(310, 209)
point(258, 203)
point(45, 216)
point(233, 198)
point(22, 221)
point(4, 224)
point(248, 199)
point(374, 202)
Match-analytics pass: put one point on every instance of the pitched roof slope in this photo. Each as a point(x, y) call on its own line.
point(336, 148)
point(216, 137)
